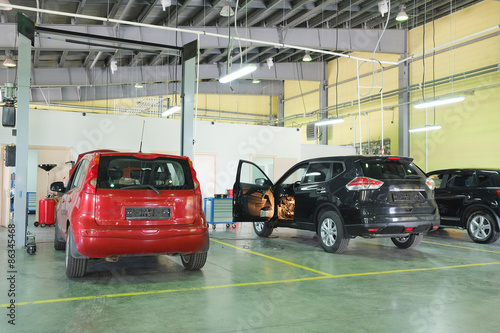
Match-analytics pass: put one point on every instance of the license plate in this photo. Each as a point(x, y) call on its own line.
point(147, 213)
point(406, 197)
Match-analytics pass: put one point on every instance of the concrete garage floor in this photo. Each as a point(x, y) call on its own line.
point(283, 284)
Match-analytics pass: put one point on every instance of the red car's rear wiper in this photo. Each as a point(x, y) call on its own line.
point(142, 186)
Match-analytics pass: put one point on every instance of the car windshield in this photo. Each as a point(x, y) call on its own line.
point(129, 172)
point(390, 169)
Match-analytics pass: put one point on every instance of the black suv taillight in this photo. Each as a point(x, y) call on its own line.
point(430, 183)
point(364, 183)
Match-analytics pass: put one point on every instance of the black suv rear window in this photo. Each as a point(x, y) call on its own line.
point(390, 169)
point(116, 172)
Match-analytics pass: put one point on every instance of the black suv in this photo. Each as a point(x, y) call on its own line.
point(469, 199)
point(340, 198)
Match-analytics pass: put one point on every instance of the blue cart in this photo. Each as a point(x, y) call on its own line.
point(219, 211)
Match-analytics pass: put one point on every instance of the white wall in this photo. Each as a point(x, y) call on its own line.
point(32, 170)
point(228, 142)
point(313, 151)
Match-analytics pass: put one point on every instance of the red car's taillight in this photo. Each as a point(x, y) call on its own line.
point(364, 183)
point(90, 186)
point(498, 193)
point(197, 190)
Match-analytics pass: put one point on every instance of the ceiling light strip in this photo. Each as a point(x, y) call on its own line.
point(426, 128)
point(438, 102)
point(329, 121)
point(240, 72)
point(171, 110)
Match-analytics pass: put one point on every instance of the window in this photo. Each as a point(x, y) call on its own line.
point(338, 168)
point(79, 174)
point(250, 174)
point(317, 172)
point(460, 181)
point(295, 176)
point(488, 179)
point(438, 180)
point(163, 173)
point(390, 169)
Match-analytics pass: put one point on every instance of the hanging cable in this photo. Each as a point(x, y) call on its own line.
point(423, 50)
point(373, 56)
point(433, 63)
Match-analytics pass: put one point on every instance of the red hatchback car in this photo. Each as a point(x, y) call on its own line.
point(121, 204)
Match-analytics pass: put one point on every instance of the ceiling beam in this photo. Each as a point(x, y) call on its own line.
point(90, 93)
point(101, 78)
point(348, 39)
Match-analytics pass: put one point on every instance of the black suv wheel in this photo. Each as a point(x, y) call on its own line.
point(331, 232)
point(408, 242)
point(481, 227)
point(263, 229)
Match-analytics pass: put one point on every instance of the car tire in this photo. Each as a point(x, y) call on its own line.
point(263, 229)
point(58, 245)
point(75, 267)
point(331, 232)
point(481, 227)
point(408, 242)
point(194, 261)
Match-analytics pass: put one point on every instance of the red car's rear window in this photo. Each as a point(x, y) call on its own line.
point(122, 171)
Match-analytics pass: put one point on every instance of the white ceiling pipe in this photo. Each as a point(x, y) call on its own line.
point(450, 43)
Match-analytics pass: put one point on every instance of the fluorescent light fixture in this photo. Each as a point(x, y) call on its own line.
point(226, 10)
point(139, 85)
point(402, 16)
point(242, 71)
point(4, 5)
point(8, 62)
point(171, 110)
point(166, 3)
point(307, 57)
point(255, 81)
point(437, 102)
point(329, 121)
point(425, 128)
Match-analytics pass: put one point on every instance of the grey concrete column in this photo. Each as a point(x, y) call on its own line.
point(404, 108)
point(187, 98)
point(281, 111)
point(323, 104)
point(23, 104)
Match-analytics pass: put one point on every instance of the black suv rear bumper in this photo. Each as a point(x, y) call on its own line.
point(393, 226)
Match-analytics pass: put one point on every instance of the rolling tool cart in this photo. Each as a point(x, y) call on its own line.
point(219, 211)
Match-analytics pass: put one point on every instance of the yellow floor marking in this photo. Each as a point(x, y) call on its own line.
point(461, 247)
point(246, 284)
point(272, 258)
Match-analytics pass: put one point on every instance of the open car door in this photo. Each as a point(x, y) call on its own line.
point(253, 198)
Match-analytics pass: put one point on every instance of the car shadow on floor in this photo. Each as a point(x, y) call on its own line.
point(131, 270)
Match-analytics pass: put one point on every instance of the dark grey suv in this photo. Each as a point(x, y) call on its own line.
point(340, 198)
point(469, 199)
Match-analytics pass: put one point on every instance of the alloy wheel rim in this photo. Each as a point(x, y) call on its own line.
point(402, 239)
point(259, 226)
point(480, 227)
point(328, 231)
